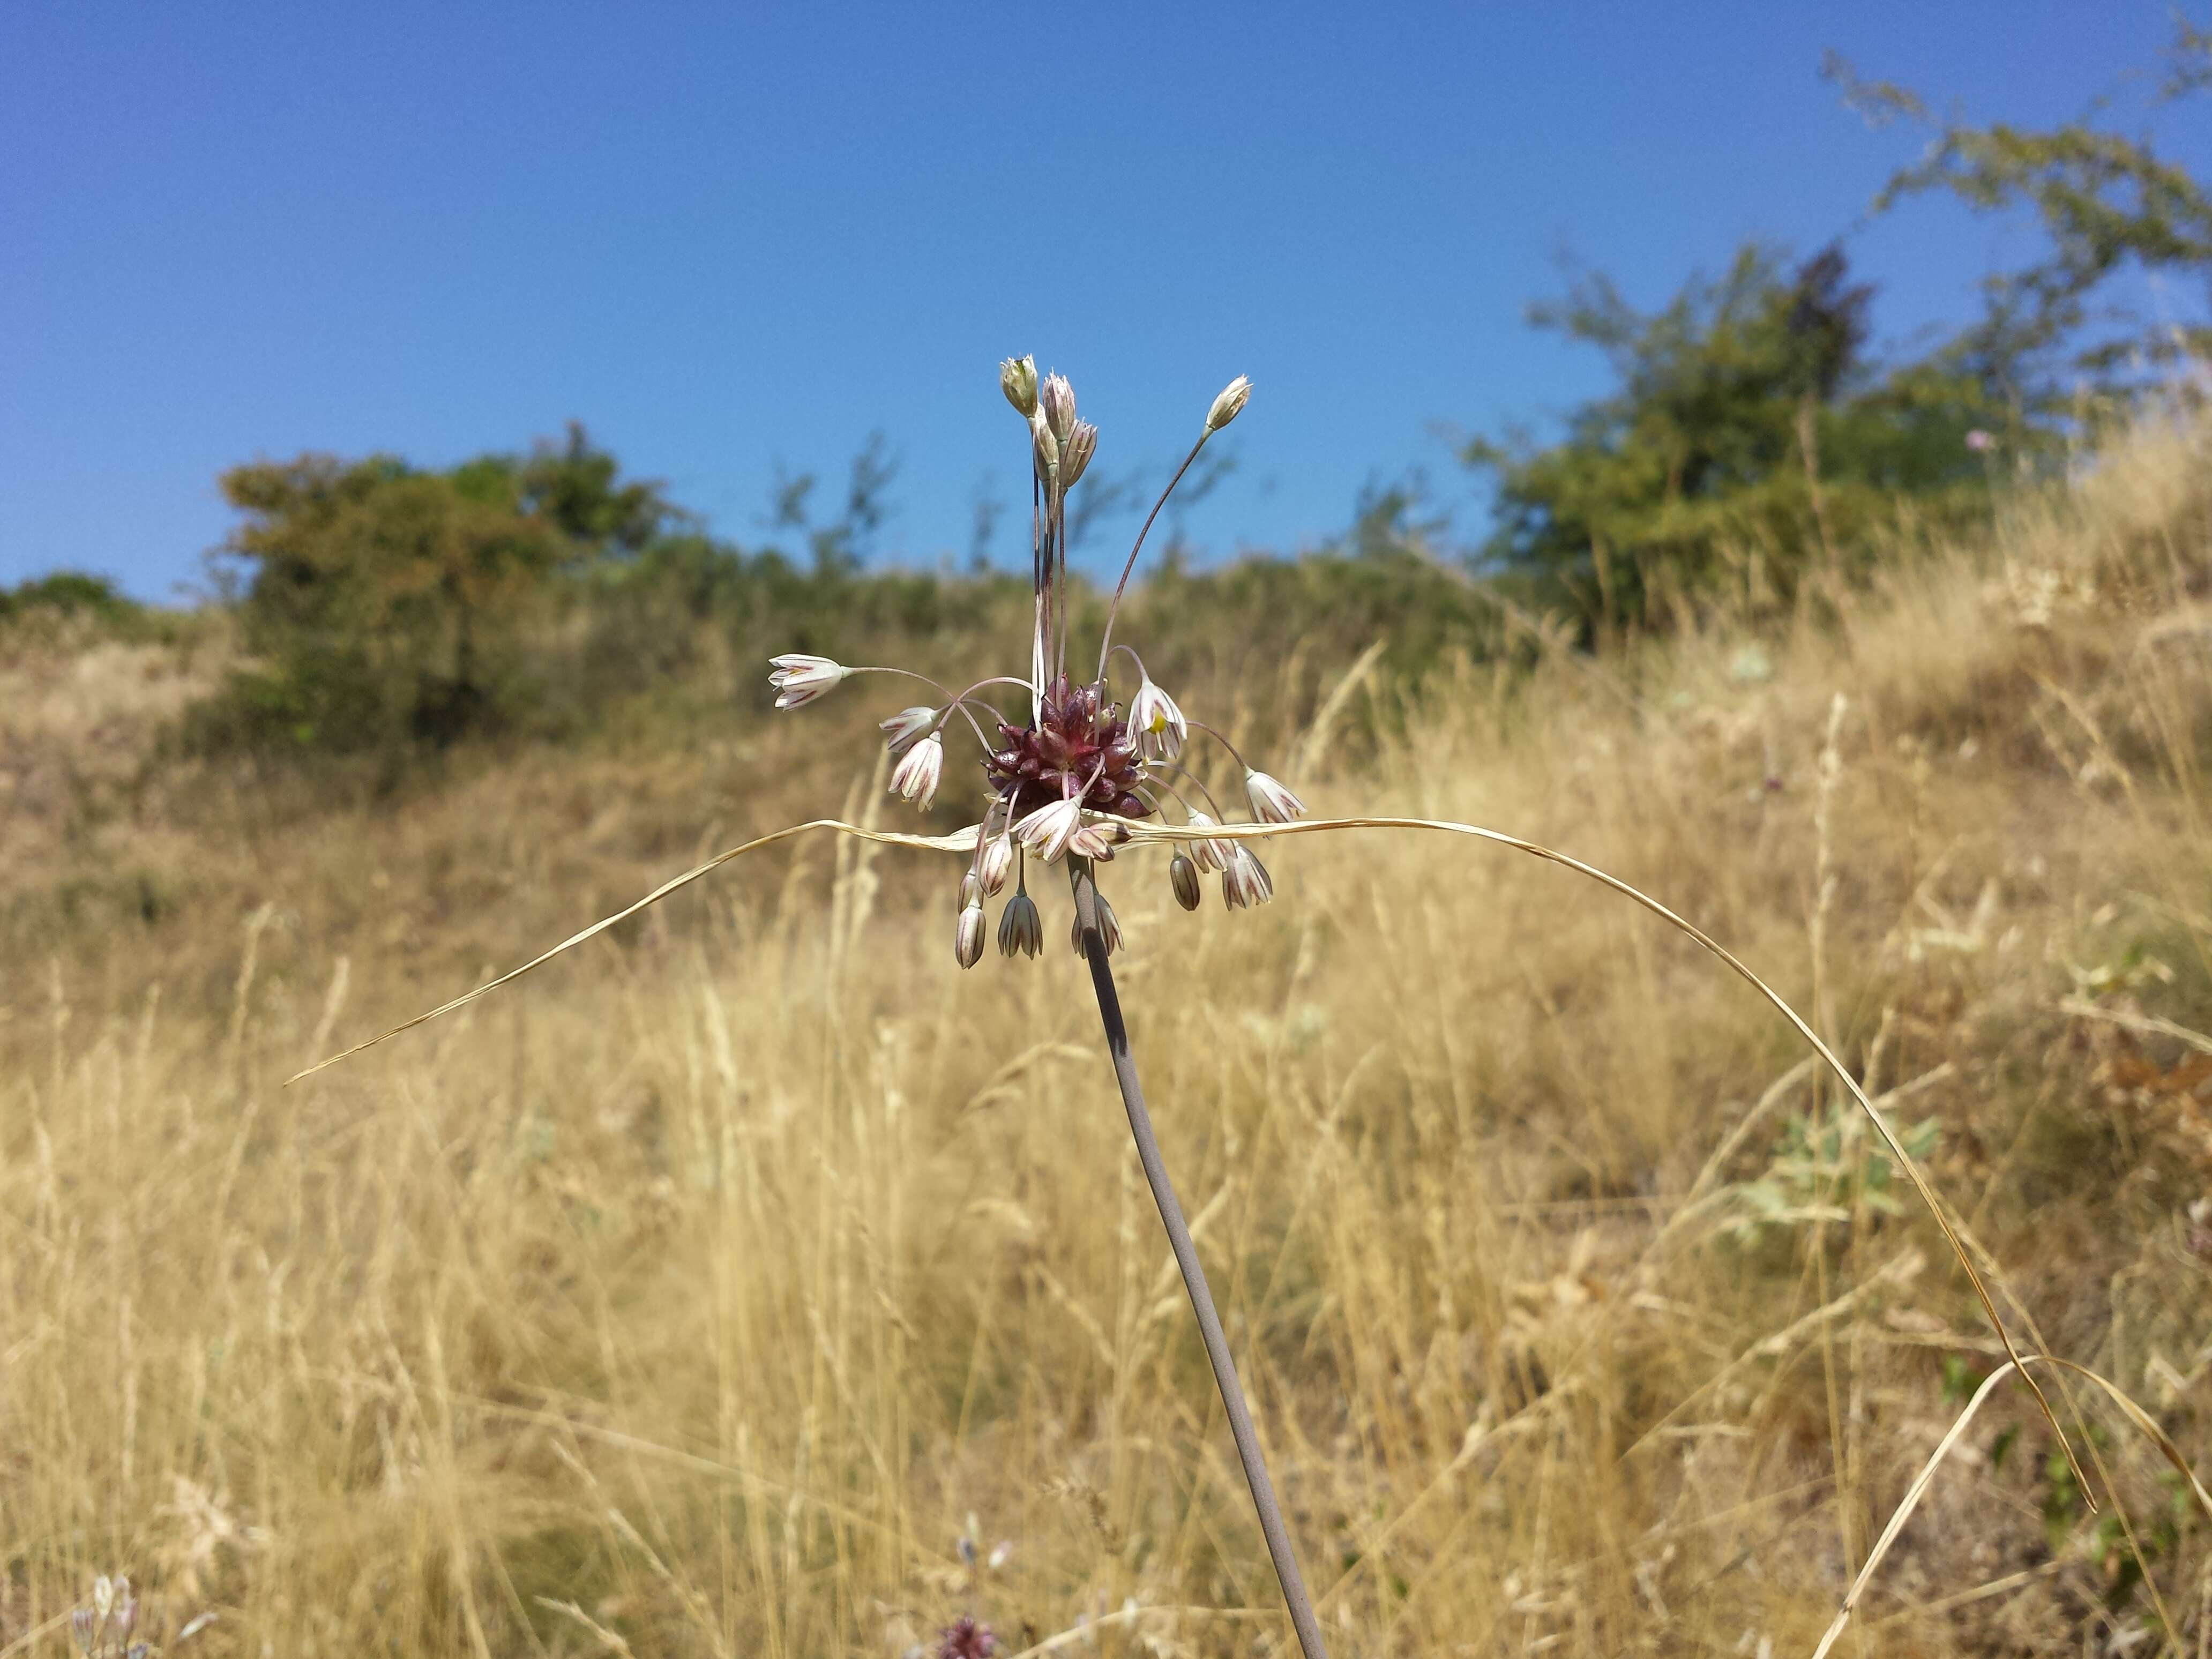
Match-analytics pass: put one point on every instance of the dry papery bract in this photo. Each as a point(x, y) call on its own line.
point(700, 1296)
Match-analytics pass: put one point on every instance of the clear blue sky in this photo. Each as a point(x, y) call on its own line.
point(727, 236)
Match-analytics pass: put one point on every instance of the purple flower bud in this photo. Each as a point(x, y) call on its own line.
point(1182, 877)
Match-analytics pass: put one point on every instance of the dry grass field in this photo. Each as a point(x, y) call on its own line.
point(752, 1282)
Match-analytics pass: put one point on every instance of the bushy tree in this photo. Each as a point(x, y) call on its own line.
point(379, 591)
point(1749, 427)
point(2108, 206)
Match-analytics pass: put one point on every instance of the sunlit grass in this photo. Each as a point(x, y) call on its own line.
point(696, 1295)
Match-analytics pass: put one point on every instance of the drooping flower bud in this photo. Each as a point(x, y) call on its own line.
point(996, 864)
point(971, 889)
point(1017, 379)
point(1021, 927)
point(1209, 854)
point(916, 777)
point(1182, 877)
point(1245, 882)
point(1108, 928)
point(1057, 400)
point(902, 729)
point(1271, 802)
point(1158, 722)
point(1229, 404)
point(1082, 445)
point(1051, 829)
point(967, 936)
point(800, 678)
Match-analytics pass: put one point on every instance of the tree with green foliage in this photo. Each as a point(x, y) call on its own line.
point(1748, 431)
point(1751, 435)
point(377, 588)
point(2108, 206)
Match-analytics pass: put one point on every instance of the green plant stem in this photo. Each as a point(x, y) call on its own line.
point(1193, 1275)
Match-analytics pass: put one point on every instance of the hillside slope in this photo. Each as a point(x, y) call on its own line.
point(701, 1292)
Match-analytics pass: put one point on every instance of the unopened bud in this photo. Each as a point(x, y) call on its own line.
point(1108, 929)
point(996, 864)
point(81, 1626)
point(1082, 445)
point(1048, 447)
point(1057, 400)
point(1021, 928)
point(1017, 379)
point(1229, 404)
point(967, 936)
point(904, 729)
point(1182, 875)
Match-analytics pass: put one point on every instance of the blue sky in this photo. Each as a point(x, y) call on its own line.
point(727, 238)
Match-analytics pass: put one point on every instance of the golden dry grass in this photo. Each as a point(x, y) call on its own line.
point(692, 1296)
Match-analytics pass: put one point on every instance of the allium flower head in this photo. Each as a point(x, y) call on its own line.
point(916, 777)
point(1271, 802)
point(799, 679)
point(966, 1639)
point(1068, 771)
point(902, 729)
point(1077, 746)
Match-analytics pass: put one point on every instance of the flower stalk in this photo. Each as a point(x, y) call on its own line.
point(1090, 930)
